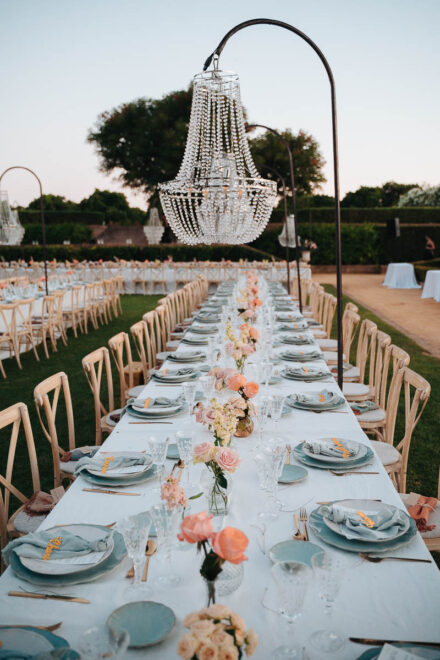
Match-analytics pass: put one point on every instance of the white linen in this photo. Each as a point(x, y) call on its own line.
point(391, 600)
point(431, 288)
point(400, 276)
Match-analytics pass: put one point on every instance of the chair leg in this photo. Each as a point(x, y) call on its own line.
point(2, 371)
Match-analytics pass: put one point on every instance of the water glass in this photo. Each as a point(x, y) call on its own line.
point(262, 408)
point(184, 443)
point(275, 456)
point(98, 643)
point(207, 383)
point(158, 450)
point(135, 531)
point(329, 571)
point(292, 580)
point(166, 522)
point(266, 370)
point(276, 411)
point(189, 394)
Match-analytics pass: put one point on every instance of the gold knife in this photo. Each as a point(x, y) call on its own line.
point(69, 599)
point(110, 492)
point(380, 642)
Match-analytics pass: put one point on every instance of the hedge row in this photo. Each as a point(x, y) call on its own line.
point(421, 268)
point(56, 234)
point(57, 217)
point(408, 215)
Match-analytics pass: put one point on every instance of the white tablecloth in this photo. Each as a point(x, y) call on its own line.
point(401, 276)
point(391, 600)
point(431, 288)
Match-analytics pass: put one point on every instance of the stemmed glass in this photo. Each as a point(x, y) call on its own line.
point(262, 408)
point(292, 580)
point(207, 384)
point(184, 443)
point(189, 394)
point(166, 522)
point(274, 454)
point(135, 531)
point(158, 450)
point(266, 370)
point(97, 643)
point(329, 570)
point(276, 410)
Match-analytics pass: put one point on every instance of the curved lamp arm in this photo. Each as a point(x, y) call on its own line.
point(292, 184)
point(286, 26)
point(43, 226)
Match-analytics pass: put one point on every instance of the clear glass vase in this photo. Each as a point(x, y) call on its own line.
point(217, 496)
point(230, 579)
point(245, 426)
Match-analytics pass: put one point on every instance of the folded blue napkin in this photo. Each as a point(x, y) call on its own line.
point(316, 398)
point(328, 448)
point(158, 402)
point(97, 463)
point(33, 545)
point(388, 522)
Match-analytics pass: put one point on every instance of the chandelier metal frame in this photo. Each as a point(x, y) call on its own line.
point(286, 26)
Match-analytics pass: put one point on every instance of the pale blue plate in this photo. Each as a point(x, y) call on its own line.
point(325, 534)
point(91, 574)
point(306, 357)
point(331, 405)
point(144, 415)
point(429, 652)
point(291, 550)
point(146, 622)
point(303, 377)
point(24, 640)
point(292, 474)
point(105, 481)
point(312, 462)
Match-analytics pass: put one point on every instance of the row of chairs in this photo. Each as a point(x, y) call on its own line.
point(151, 336)
point(22, 330)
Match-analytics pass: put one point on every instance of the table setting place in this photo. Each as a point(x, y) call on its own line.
point(237, 509)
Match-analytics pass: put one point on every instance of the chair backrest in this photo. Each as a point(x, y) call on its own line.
point(328, 313)
point(377, 362)
point(23, 314)
point(397, 360)
point(163, 326)
point(144, 346)
point(46, 397)
point(366, 346)
point(152, 321)
point(350, 323)
point(416, 391)
point(120, 349)
point(7, 320)
point(96, 365)
point(17, 417)
point(352, 307)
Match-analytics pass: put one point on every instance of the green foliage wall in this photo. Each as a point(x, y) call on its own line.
point(411, 215)
point(56, 234)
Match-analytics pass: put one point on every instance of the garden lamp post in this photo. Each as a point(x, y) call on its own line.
point(286, 26)
point(43, 226)
point(292, 185)
point(283, 186)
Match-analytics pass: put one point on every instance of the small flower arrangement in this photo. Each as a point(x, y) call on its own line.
point(227, 545)
point(216, 632)
point(238, 349)
point(172, 493)
point(221, 418)
point(220, 461)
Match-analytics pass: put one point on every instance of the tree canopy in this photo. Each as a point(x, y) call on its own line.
point(145, 140)
point(373, 197)
point(53, 203)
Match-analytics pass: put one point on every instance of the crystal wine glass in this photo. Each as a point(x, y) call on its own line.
point(189, 394)
point(166, 522)
point(274, 454)
point(266, 370)
point(262, 408)
point(158, 450)
point(184, 443)
point(97, 643)
point(135, 531)
point(329, 570)
point(292, 580)
point(277, 404)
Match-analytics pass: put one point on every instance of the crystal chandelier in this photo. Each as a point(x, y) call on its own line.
point(217, 195)
point(290, 221)
point(11, 229)
point(154, 229)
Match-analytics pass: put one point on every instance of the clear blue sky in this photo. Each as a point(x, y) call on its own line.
point(63, 62)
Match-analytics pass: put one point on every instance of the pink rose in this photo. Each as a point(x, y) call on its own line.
point(247, 349)
point(203, 452)
point(227, 459)
point(196, 528)
point(251, 390)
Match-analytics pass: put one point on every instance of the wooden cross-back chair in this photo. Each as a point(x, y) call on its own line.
point(376, 369)
point(58, 320)
point(144, 347)
point(73, 313)
point(88, 307)
point(43, 327)
point(431, 536)
point(17, 523)
point(47, 396)
point(23, 326)
point(98, 371)
point(8, 334)
point(366, 342)
point(130, 373)
point(350, 323)
point(152, 320)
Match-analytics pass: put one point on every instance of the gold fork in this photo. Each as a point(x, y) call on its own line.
point(303, 518)
point(346, 474)
point(298, 536)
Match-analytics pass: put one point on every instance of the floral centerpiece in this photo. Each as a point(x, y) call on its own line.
point(216, 632)
point(239, 349)
point(228, 545)
point(220, 462)
point(221, 418)
point(233, 380)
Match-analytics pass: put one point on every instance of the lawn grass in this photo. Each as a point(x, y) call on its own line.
point(424, 456)
point(19, 386)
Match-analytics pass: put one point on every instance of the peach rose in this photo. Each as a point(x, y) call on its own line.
point(196, 528)
point(191, 618)
point(220, 636)
point(230, 544)
point(203, 452)
point(227, 459)
point(237, 621)
point(218, 611)
point(202, 628)
point(228, 652)
point(251, 390)
point(251, 642)
point(236, 381)
point(207, 651)
point(253, 333)
point(257, 302)
point(187, 646)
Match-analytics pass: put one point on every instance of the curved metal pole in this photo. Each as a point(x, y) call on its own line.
point(283, 184)
point(292, 184)
point(43, 226)
point(286, 26)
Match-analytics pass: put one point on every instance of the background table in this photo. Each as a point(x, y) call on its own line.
point(401, 276)
point(431, 287)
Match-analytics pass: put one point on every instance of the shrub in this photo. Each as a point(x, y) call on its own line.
point(410, 215)
point(56, 234)
point(57, 217)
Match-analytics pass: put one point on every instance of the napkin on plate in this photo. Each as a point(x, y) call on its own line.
point(316, 398)
point(388, 522)
point(79, 452)
point(172, 373)
point(33, 545)
point(305, 371)
point(330, 448)
point(158, 402)
point(362, 407)
point(421, 510)
point(118, 462)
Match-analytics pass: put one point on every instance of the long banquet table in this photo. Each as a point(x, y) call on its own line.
point(392, 600)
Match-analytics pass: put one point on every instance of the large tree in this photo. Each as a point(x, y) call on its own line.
point(269, 152)
point(144, 142)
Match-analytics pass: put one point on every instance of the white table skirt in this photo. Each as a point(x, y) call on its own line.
point(401, 276)
point(391, 600)
point(431, 288)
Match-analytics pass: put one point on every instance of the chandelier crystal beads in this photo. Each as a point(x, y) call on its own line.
point(217, 195)
point(154, 228)
point(11, 229)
